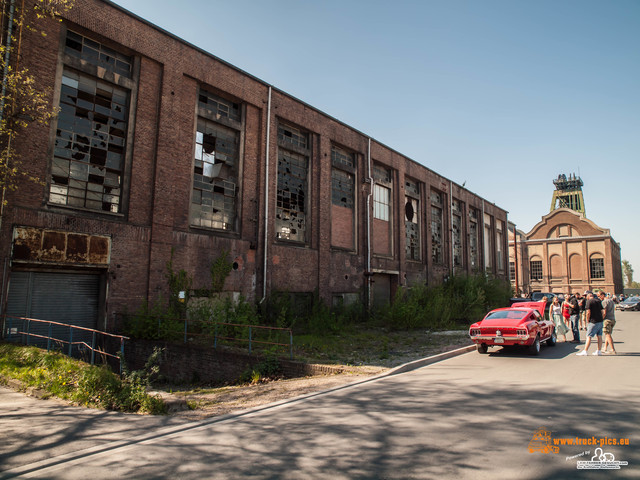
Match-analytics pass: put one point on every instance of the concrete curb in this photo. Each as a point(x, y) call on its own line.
point(423, 362)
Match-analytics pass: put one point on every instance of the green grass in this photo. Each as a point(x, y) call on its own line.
point(367, 345)
point(83, 384)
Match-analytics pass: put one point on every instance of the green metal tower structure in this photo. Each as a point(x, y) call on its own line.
point(568, 193)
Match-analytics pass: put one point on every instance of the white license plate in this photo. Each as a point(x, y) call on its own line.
point(499, 340)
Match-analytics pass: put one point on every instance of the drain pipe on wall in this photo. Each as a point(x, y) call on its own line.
point(484, 243)
point(368, 273)
point(266, 201)
point(453, 263)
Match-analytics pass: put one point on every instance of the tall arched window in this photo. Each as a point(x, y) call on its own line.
point(596, 266)
point(535, 269)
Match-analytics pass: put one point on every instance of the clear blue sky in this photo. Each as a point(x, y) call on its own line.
point(502, 94)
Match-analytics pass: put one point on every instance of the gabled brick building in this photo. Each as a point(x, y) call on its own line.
point(565, 252)
point(161, 147)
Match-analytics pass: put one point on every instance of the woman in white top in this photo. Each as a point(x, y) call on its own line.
point(556, 314)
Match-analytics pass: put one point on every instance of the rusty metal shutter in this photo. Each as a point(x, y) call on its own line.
point(67, 298)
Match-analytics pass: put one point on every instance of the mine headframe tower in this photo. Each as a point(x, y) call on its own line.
point(568, 193)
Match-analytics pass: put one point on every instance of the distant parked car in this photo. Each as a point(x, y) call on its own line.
point(631, 303)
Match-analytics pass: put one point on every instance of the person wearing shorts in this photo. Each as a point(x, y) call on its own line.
point(594, 323)
point(609, 315)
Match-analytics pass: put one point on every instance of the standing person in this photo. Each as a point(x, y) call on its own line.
point(609, 315)
point(582, 303)
point(556, 315)
point(574, 316)
point(594, 323)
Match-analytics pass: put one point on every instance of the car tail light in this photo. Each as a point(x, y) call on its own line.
point(474, 332)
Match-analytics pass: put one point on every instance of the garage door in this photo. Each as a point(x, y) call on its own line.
point(67, 298)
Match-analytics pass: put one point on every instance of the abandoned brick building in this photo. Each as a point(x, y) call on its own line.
point(161, 147)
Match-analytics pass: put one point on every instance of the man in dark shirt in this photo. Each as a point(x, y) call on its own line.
point(594, 323)
point(574, 316)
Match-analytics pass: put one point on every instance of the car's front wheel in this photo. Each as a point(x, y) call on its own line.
point(551, 341)
point(482, 348)
point(534, 348)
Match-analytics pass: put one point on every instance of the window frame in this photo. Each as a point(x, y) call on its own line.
point(74, 64)
point(294, 145)
point(534, 269)
point(596, 272)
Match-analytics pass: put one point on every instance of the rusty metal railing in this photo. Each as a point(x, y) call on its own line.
point(251, 340)
point(22, 327)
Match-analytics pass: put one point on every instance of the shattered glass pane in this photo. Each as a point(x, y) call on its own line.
point(291, 196)
point(340, 157)
point(83, 146)
point(215, 169)
point(436, 235)
point(342, 189)
point(293, 136)
point(95, 53)
point(412, 229)
point(457, 240)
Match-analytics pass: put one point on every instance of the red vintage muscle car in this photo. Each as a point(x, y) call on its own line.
point(521, 324)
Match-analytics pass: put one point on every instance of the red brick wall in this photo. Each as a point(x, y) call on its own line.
point(156, 216)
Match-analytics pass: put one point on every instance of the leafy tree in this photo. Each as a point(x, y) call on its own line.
point(22, 101)
point(627, 271)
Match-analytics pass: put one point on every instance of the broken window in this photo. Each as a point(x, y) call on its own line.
point(436, 227)
point(456, 226)
point(342, 178)
point(411, 220)
point(499, 247)
point(488, 244)
point(291, 196)
point(89, 151)
point(343, 198)
point(95, 53)
point(473, 238)
point(215, 172)
point(216, 108)
point(381, 174)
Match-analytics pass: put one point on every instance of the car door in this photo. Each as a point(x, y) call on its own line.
point(543, 326)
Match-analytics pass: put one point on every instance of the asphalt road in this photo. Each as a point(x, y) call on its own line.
point(472, 416)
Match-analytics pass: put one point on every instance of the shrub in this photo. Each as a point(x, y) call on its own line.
point(70, 379)
point(460, 299)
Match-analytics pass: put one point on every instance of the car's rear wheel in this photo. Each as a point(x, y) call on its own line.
point(551, 341)
point(482, 348)
point(534, 348)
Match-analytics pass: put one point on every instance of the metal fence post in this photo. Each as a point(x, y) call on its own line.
point(290, 345)
point(28, 332)
point(249, 339)
point(93, 347)
point(9, 330)
point(70, 341)
point(49, 337)
point(185, 330)
point(121, 353)
point(215, 336)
